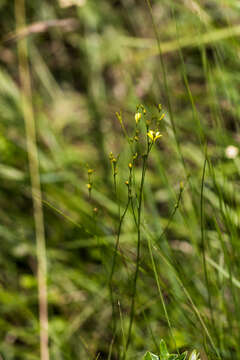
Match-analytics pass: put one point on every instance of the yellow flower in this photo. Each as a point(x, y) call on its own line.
point(135, 156)
point(138, 116)
point(154, 135)
point(161, 117)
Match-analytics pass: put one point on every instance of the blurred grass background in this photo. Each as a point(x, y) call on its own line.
point(89, 59)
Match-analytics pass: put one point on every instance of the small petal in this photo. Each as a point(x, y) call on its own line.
point(154, 135)
point(138, 116)
point(157, 135)
point(150, 134)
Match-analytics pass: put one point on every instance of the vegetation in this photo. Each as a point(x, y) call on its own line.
point(164, 354)
point(119, 216)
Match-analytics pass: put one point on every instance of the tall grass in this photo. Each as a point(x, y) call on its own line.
point(28, 115)
point(128, 263)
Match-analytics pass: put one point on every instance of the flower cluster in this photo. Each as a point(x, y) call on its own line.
point(90, 182)
point(142, 120)
point(113, 161)
point(154, 135)
point(138, 116)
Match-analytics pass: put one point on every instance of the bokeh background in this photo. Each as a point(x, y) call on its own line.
point(89, 59)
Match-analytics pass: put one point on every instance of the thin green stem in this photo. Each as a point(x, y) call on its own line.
point(160, 293)
point(114, 263)
point(132, 311)
point(188, 296)
point(203, 242)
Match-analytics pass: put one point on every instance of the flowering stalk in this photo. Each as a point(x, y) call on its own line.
point(151, 137)
point(138, 224)
point(90, 182)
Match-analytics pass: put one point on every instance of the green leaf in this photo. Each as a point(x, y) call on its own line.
point(173, 357)
point(182, 356)
point(164, 354)
point(194, 355)
point(150, 356)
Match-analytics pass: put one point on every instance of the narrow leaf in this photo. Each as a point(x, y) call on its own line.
point(164, 354)
point(182, 356)
point(150, 356)
point(194, 355)
point(173, 357)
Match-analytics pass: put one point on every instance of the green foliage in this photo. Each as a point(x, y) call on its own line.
point(150, 356)
point(88, 60)
point(164, 354)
